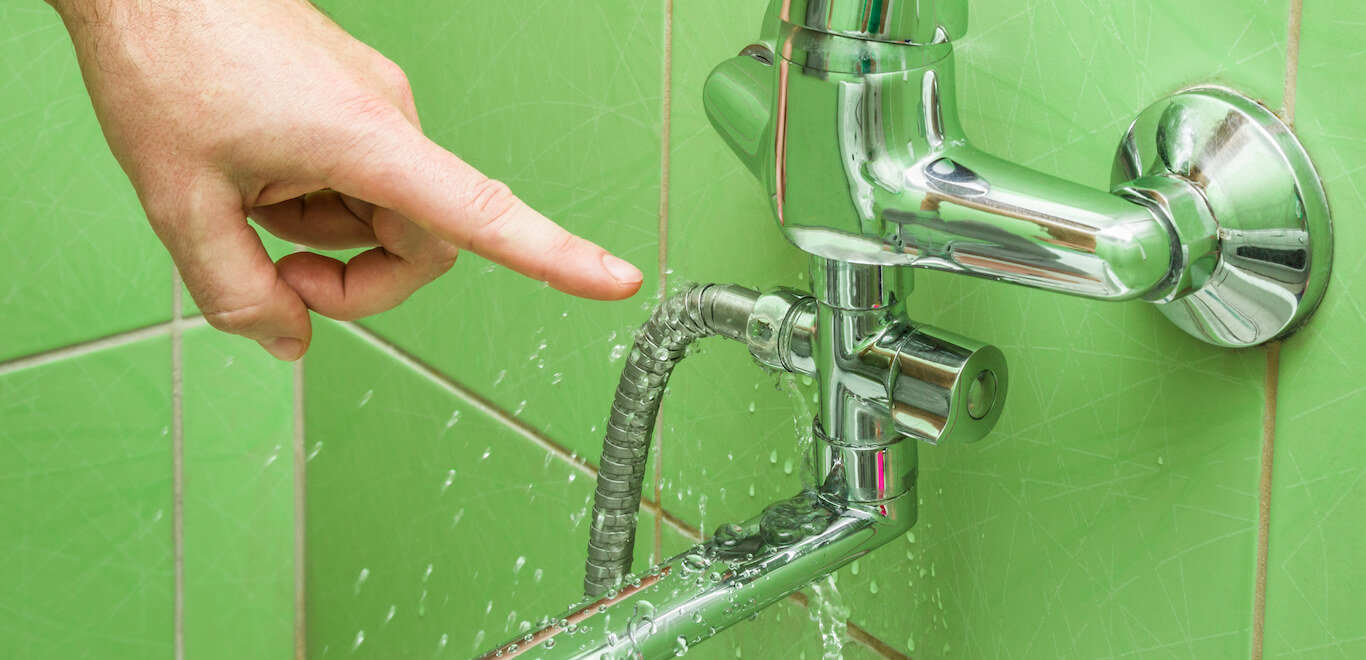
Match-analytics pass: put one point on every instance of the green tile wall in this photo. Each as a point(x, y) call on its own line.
point(1318, 504)
point(86, 506)
point(77, 260)
point(239, 499)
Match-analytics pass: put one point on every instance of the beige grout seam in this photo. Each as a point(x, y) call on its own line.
point(1292, 61)
point(177, 336)
point(94, 346)
point(1273, 373)
point(655, 508)
point(665, 165)
point(1273, 369)
point(300, 511)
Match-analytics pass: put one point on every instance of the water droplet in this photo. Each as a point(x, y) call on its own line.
point(455, 520)
point(872, 586)
point(773, 457)
point(455, 419)
point(313, 453)
point(618, 351)
point(274, 456)
point(517, 565)
point(520, 407)
point(556, 378)
point(910, 644)
point(787, 466)
point(751, 490)
point(360, 638)
point(450, 479)
point(680, 646)
point(445, 639)
point(1159, 460)
point(751, 406)
point(853, 568)
point(487, 451)
point(478, 638)
point(550, 643)
point(498, 380)
point(693, 562)
point(360, 579)
point(393, 609)
point(364, 399)
point(910, 536)
point(428, 573)
point(536, 577)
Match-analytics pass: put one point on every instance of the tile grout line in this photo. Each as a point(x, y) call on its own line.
point(1292, 61)
point(470, 397)
point(93, 345)
point(300, 511)
point(665, 174)
point(655, 508)
point(1273, 373)
point(1273, 369)
point(177, 337)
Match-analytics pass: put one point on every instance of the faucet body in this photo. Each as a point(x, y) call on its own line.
point(846, 111)
point(861, 149)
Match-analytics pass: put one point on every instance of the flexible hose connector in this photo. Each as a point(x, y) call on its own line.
point(696, 312)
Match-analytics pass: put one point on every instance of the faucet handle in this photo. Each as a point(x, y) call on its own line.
point(942, 386)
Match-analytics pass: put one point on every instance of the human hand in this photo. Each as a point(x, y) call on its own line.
point(265, 108)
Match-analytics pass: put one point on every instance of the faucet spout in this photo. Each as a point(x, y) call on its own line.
point(743, 569)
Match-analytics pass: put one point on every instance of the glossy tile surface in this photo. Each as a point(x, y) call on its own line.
point(433, 530)
point(1114, 510)
point(77, 258)
point(1318, 502)
point(562, 102)
point(239, 499)
point(86, 506)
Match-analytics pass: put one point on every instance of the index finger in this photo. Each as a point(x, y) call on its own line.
point(414, 176)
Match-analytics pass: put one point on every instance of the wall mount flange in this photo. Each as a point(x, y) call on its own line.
point(1269, 248)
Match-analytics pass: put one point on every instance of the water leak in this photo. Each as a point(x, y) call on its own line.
point(827, 609)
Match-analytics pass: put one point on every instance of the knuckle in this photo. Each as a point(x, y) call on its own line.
point(395, 81)
point(442, 259)
point(237, 319)
point(490, 199)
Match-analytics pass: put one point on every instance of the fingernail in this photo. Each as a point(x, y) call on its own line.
point(622, 272)
point(284, 348)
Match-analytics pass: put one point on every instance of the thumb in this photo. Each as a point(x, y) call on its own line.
point(432, 187)
point(231, 277)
